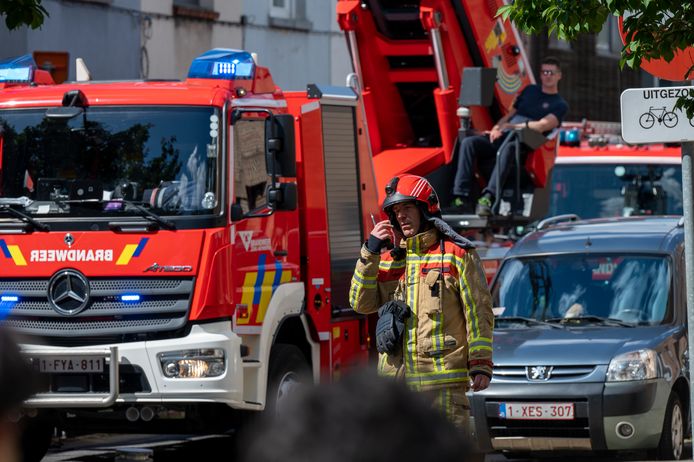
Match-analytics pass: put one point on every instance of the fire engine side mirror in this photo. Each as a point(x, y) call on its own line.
point(279, 145)
point(283, 197)
point(236, 212)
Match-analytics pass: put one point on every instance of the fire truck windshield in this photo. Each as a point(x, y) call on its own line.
point(107, 159)
point(611, 190)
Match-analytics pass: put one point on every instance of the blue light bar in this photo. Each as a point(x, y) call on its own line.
point(9, 299)
point(130, 298)
point(223, 63)
point(17, 70)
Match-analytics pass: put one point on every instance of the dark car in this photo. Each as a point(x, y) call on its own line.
point(590, 341)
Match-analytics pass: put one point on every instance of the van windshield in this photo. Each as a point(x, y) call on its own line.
point(105, 159)
point(633, 289)
point(614, 190)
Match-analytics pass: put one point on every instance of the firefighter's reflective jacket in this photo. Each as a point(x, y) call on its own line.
point(448, 337)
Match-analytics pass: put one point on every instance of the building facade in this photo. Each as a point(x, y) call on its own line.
point(299, 40)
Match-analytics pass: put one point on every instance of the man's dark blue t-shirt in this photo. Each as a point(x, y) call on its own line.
point(533, 104)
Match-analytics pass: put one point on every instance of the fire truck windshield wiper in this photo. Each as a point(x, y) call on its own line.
point(24, 217)
point(144, 212)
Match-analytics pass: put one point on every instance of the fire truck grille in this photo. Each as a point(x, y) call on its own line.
point(163, 307)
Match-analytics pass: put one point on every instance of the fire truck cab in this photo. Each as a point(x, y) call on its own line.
point(176, 252)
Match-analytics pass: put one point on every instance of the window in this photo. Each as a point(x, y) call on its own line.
point(195, 9)
point(631, 288)
point(289, 14)
point(608, 42)
point(250, 174)
point(166, 157)
point(613, 190)
point(280, 9)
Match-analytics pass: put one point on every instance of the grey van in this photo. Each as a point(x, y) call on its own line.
point(590, 341)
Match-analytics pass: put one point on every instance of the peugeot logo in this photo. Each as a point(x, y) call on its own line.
point(538, 373)
point(68, 292)
point(69, 240)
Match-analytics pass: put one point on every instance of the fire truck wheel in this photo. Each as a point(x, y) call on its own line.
point(288, 371)
point(37, 434)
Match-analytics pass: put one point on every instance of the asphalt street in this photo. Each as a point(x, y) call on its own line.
point(173, 448)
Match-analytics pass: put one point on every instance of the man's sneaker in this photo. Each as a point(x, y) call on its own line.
point(484, 205)
point(462, 206)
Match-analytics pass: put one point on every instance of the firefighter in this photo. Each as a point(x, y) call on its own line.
point(435, 313)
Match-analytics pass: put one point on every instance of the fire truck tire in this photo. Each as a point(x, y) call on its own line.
point(288, 371)
point(36, 438)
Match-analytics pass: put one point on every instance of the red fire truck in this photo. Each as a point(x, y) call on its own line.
point(425, 66)
point(178, 251)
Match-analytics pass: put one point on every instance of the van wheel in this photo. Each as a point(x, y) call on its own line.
point(288, 373)
point(671, 444)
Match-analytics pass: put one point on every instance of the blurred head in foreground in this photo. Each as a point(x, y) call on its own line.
point(362, 418)
point(17, 383)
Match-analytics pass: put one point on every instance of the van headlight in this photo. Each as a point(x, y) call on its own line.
point(635, 365)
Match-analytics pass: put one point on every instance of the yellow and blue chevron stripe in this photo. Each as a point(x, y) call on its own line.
point(13, 252)
point(131, 251)
point(258, 287)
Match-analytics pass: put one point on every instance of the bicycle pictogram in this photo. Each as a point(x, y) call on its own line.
point(662, 115)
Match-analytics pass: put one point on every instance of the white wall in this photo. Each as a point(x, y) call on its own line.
point(176, 41)
point(107, 38)
point(297, 57)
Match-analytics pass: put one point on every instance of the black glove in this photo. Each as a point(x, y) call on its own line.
point(375, 244)
point(390, 326)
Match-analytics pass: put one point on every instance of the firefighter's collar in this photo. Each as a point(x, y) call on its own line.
point(422, 241)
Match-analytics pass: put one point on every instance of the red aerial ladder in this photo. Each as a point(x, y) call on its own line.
point(410, 57)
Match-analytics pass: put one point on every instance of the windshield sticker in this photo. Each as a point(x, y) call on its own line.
point(604, 268)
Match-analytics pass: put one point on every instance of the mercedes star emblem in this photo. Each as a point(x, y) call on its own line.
point(68, 292)
point(69, 240)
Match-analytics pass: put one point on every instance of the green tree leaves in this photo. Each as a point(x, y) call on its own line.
point(654, 29)
point(19, 13)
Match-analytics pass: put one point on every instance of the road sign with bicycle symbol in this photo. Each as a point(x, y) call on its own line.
point(660, 115)
point(649, 115)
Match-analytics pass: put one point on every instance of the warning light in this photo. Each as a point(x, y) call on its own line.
point(222, 63)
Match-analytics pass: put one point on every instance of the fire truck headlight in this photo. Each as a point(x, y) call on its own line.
point(193, 364)
point(635, 365)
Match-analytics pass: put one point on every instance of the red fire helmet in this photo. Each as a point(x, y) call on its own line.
point(406, 188)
